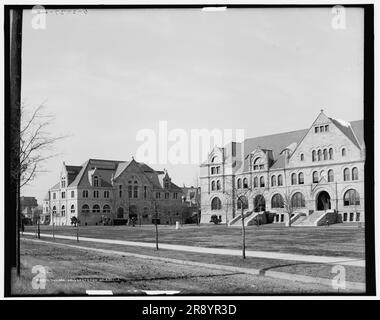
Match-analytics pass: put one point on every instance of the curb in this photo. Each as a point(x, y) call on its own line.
point(357, 286)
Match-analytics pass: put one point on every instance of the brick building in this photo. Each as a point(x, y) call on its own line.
point(317, 172)
point(105, 191)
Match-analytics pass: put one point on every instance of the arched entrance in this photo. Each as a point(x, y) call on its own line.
point(120, 213)
point(133, 212)
point(259, 203)
point(323, 201)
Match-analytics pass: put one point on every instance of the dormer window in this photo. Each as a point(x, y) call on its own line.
point(63, 182)
point(96, 181)
point(166, 184)
point(258, 164)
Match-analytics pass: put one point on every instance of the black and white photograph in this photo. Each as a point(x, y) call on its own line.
point(189, 150)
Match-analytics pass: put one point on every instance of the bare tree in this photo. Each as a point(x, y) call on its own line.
point(288, 206)
point(36, 143)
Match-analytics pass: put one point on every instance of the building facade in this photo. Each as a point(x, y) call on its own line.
point(312, 171)
point(113, 192)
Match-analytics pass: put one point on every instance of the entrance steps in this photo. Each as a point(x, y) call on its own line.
point(317, 218)
point(237, 220)
point(250, 218)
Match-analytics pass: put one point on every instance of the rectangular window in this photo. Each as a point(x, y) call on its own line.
point(322, 128)
point(326, 127)
point(96, 194)
point(72, 194)
point(357, 216)
point(135, 192)
point(316, 129)
point(145, 192)
point(130, 191)
point(106, 194)
point(158, 195)
point(351, 216)
point(120, 190)
point(63, 194)
point(212, 170)
point(166, 195)
point(175, 195)
point(54, 195)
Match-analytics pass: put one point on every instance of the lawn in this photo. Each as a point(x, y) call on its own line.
point(335, 240)
point(73, 271)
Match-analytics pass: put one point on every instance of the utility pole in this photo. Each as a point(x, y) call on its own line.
point(243, 228)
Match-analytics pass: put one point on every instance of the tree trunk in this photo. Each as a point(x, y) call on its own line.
point(243, 231)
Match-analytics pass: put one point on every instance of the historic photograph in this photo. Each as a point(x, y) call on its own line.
point(189, 151)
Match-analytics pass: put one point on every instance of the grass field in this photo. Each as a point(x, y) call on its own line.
point(335, 240)
point(73, 271)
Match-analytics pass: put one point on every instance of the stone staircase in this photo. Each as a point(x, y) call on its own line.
point(298, 217)
point(317, 218)
point(236, 222)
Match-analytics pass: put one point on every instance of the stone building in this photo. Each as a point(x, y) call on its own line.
point(113, 192)
point(315, 176)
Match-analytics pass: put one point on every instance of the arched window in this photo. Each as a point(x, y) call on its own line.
point(214, 159)
point(355, 174)
point(300, 178)
point(344, 152)
point(255, 182)
point(262, 182)
point(279, 180)
point(239, 183)
point(63, 211)
point(242, 201)
point(346, 174)
point(258, 164)
point(85, 208)
point(72, 209)
point(96, 208)
point(216, 204)
point(273, 181)
point(212, 185)
point(351, 198)
point(302, 157)
point(315, 177)
point(106, 208)
point(245, 183)
point(218, 185)
point(313, 156)
point(54, 210)
point(294, 178)
point(330, 176)
point(331, 153)
point(277, 201)
point(325, 157)
point(319, 155)
point(135, 192)
point(96, 181)
point(298, 200)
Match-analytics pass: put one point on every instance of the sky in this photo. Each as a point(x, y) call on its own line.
point(107, 74)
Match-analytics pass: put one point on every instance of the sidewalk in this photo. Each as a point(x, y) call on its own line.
point(344, 261)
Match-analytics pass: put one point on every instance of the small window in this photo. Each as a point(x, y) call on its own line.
point(315, 177)
point(63, 211)
point(279, 180)
point(302, 157)
point(245, 183)
point(96, 208)
point(330, 175)
point(255, 182)
point(357, 216)
point(316, 129)
point(166, 195)
point(212, 185)
point(72, 194)
point(218, 185)
point(145, 192)
point(175, 195)
point(85, 193)
point(322, 128)
point(120, 190)
point(346, 174)
point(300, 178)
point(325, 155)
point(331, 153)
point(273, 181)
point(326, 127)
point(343, 152)
point(63, 195)
point(54, 196)
point(96, 181)
point(294, 179)
point(313, 156)
point(96, 194)
point(239, 183)
point(135, 192)
point(262, 182)
point(106, 194)
point(351, 216)
point(158, 195)
point(72, 209)
point(355, 174)
point(345, 216)
point(319, 155)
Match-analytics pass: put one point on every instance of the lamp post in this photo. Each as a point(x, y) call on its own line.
point(155, 222)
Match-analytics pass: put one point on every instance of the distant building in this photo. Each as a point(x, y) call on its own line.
point(192, 200)
point(117, 192)
point(318, 171)
point(30, 209)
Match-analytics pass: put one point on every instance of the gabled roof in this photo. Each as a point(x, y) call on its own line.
point(275, 142)
point(346, 128)
point(280, 141)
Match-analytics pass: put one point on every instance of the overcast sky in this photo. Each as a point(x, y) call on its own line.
point(109, 73)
